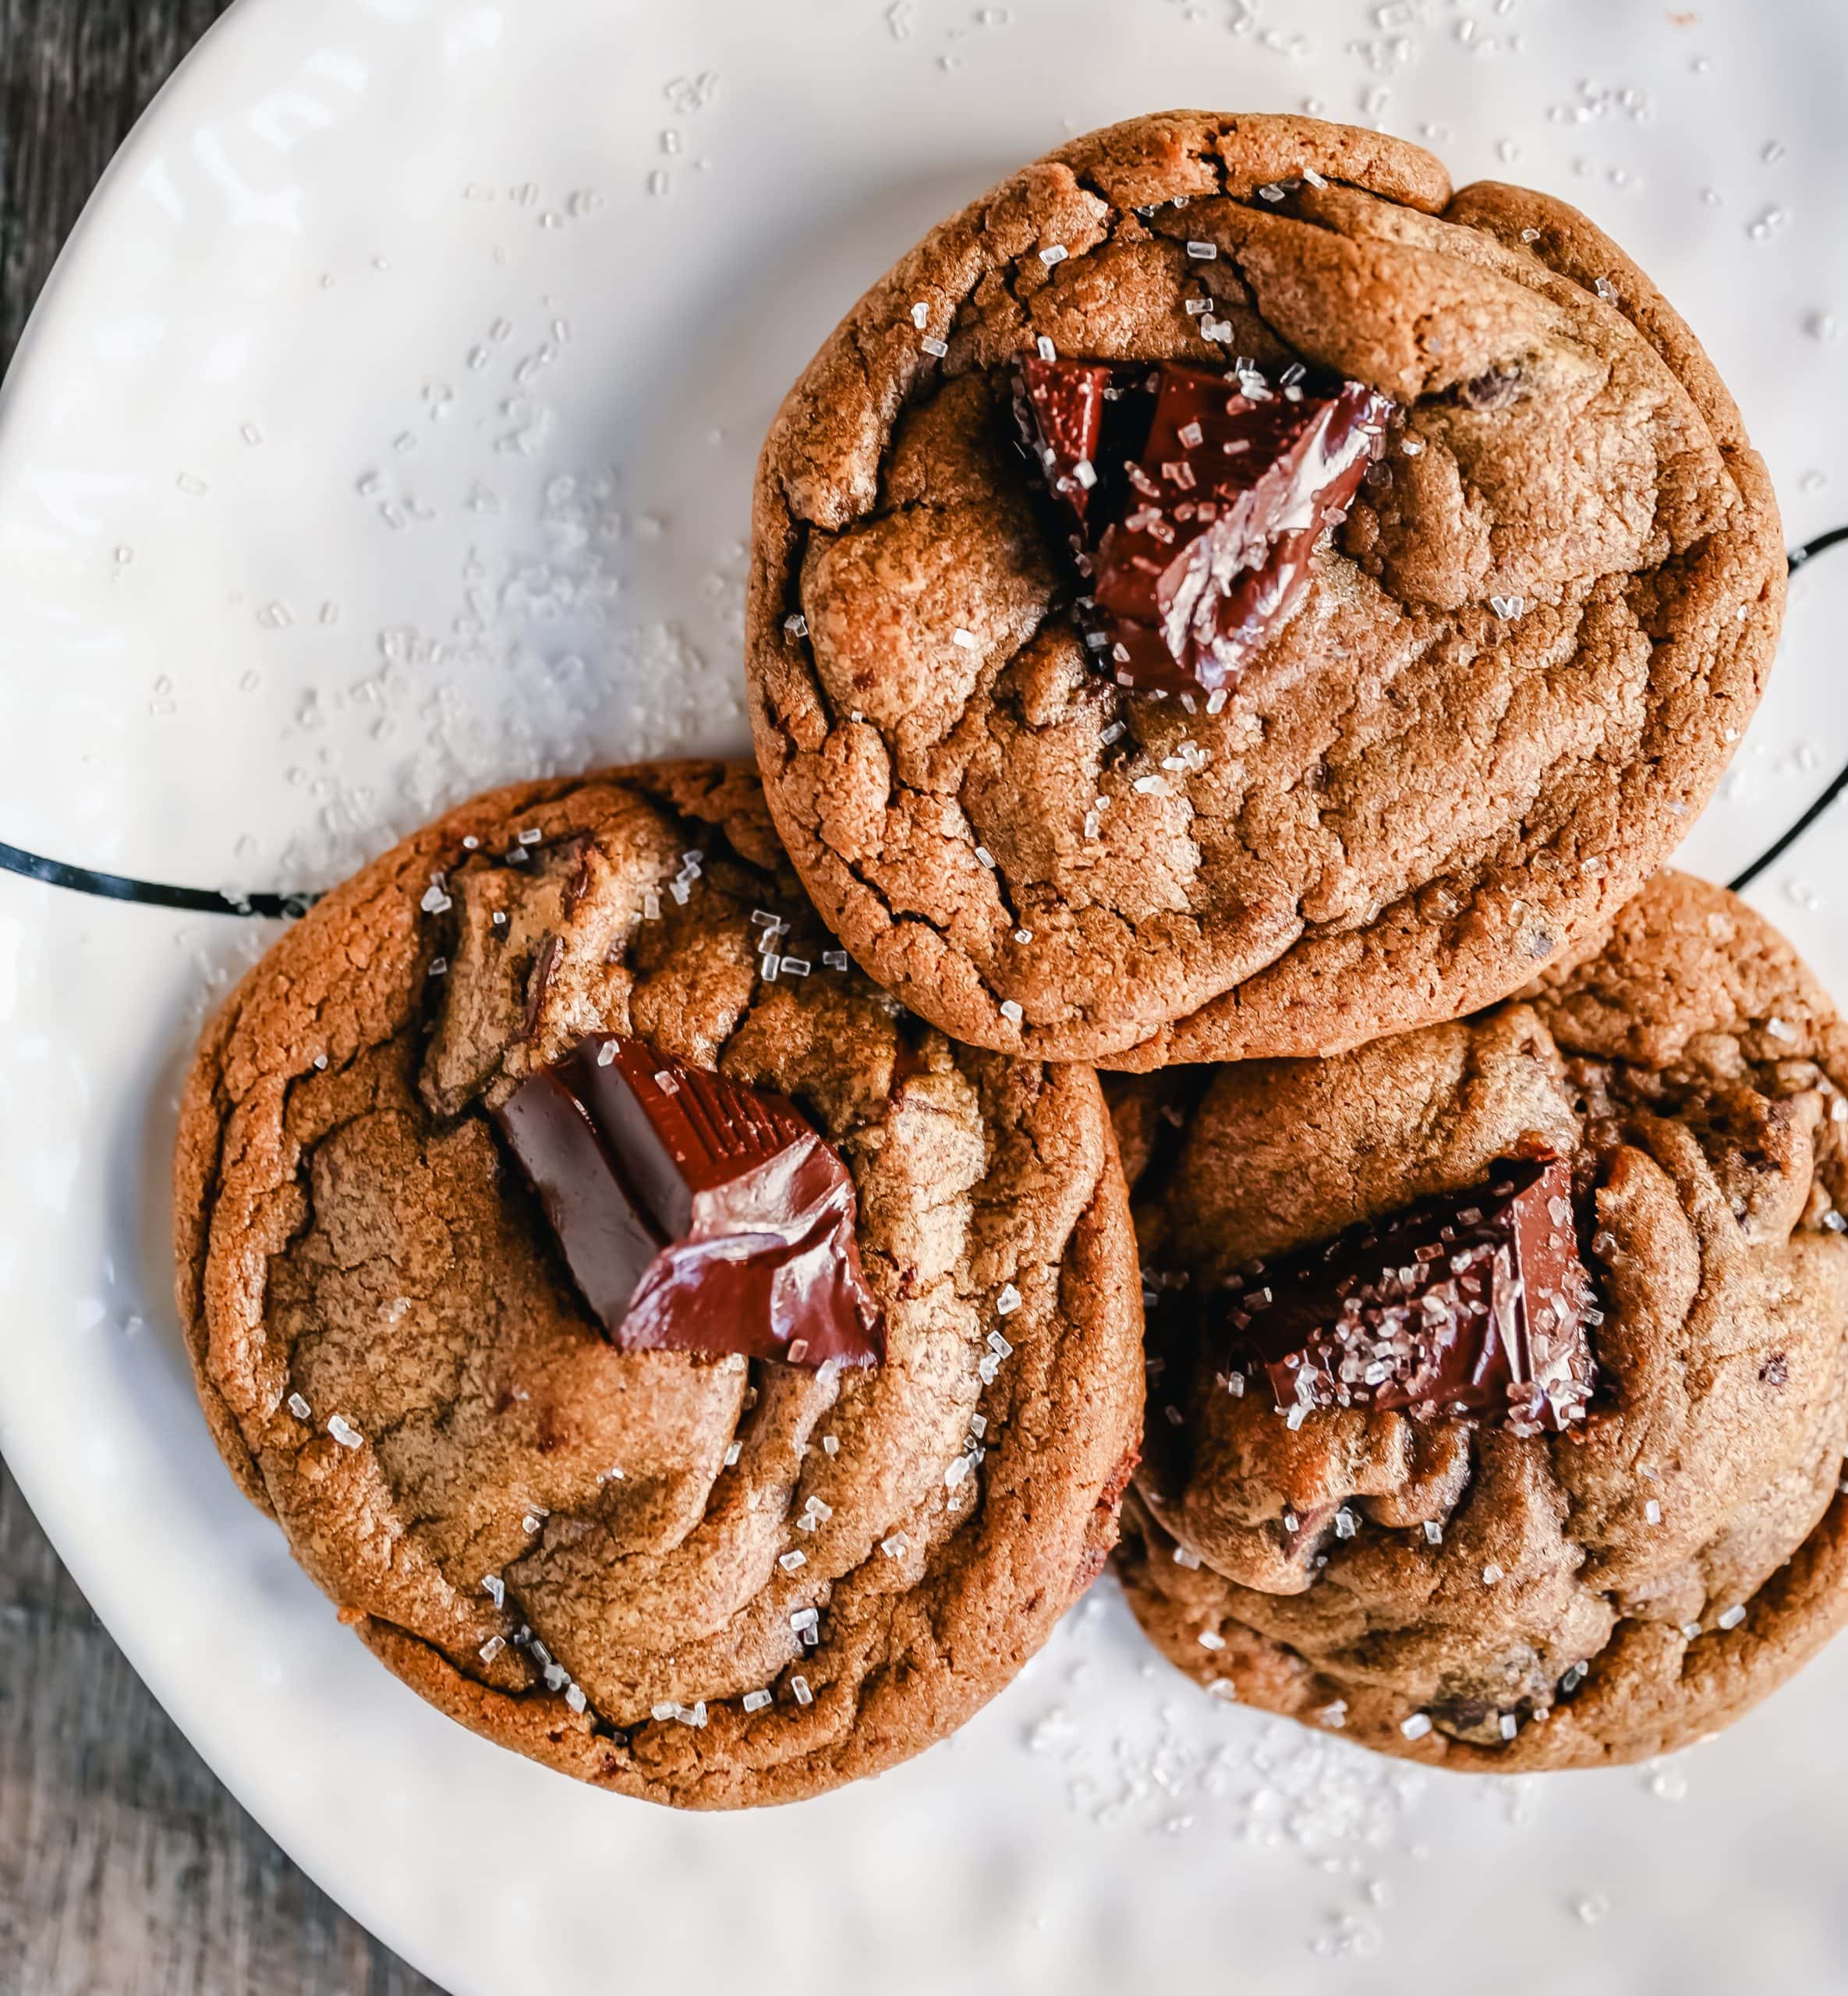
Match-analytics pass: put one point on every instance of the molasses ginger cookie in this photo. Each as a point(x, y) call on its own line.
point(678, 1364)
point(1226, 595)
point(1498, 1372)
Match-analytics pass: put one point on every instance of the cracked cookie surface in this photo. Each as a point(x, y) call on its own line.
point(1642, 1581)
point(1525, 659)
point(595, 1557)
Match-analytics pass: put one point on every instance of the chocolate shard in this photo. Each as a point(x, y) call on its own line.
point(696, 1214)
point(1067, 401)
point(610, 1244)
point(1196, 498)
point(1476, 1304)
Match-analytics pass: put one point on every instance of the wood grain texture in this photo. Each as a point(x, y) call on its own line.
point(125, 1869)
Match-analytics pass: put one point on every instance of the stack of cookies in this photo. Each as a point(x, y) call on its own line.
point(1229, 611)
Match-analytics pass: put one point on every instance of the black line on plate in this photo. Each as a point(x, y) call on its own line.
point(1820, 545)
point(1800, 557)
point(149, 894)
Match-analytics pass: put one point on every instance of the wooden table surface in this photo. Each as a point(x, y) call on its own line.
point(125, 1869)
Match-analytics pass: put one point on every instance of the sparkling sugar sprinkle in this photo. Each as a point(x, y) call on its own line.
point(1163, 1765)
point(693, 1715)
point(344, 1433)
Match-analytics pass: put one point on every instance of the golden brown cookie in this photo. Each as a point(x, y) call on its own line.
point(1457, 1590)
point(707, 1581)
point(1526, 652)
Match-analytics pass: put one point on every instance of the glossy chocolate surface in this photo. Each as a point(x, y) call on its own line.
point(1196, 498)
point(694, 1214)
point(1476, 1304)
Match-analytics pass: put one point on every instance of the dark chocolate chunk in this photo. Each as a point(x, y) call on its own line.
point(1476, 1304)
point(696, 1214)
point(1067, 399)
point(1196, 498)
point(610, 1244)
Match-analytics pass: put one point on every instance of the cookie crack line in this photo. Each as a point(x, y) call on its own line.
point(274, 905)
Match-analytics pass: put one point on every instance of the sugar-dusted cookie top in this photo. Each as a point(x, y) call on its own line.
point(1445, 1563)
point(1457, 649)
point(708, 1578)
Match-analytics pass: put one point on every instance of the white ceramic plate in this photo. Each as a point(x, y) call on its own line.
point(387, 430)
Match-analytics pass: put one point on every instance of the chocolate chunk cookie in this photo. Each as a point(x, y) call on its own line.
point(711, 1578)
point(1607, 1569)
point(1225, 595)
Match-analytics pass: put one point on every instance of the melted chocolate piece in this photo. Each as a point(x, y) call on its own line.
point(1476, 1304)
point(1067, 401)
point(609, 1243)
point(696, 1214)
point(1198, 498)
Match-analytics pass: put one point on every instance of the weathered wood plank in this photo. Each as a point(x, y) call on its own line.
point(125, 1869)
